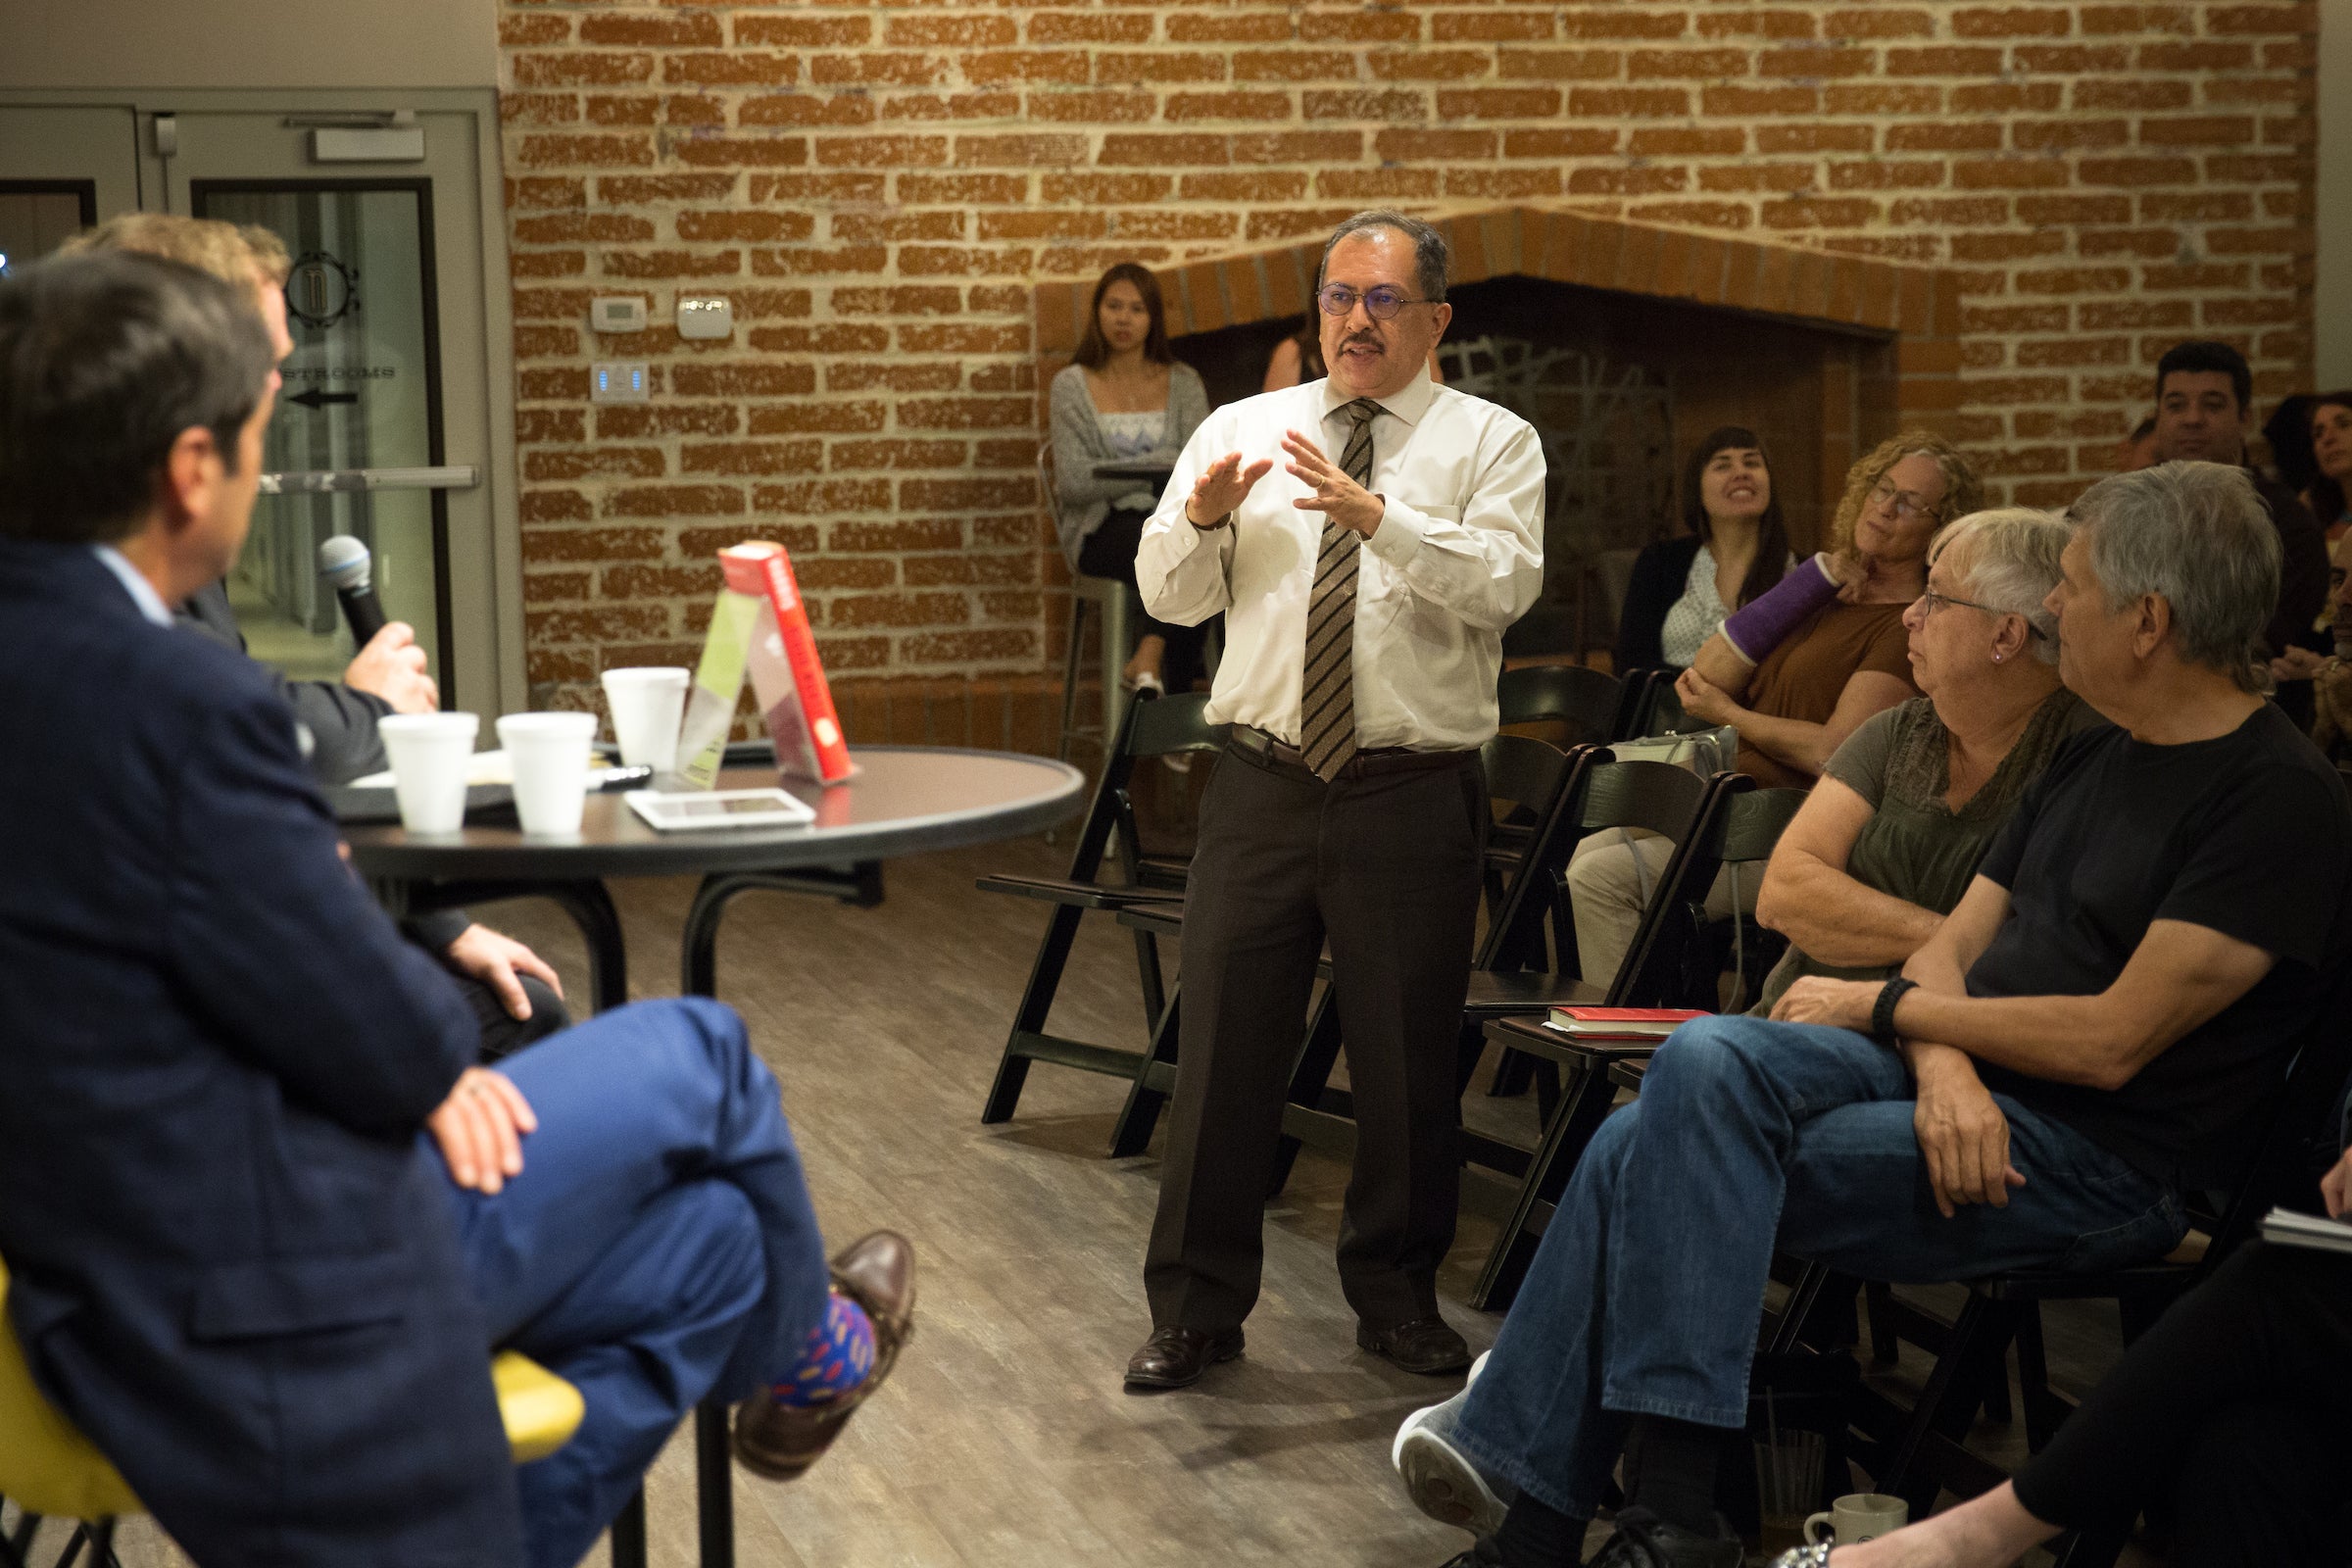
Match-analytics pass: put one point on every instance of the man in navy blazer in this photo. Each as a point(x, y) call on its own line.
point(264, 1221)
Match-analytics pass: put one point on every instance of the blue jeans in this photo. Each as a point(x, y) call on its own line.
point(1648, 1292)
point(657, 1248)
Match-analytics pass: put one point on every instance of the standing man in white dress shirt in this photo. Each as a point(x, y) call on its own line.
point(1368, 538)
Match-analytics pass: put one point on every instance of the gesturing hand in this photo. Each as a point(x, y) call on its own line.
point(1963, 1136)
point(480, 1129)
point(1223, 486)
point(1338, 496)
point(392, 667)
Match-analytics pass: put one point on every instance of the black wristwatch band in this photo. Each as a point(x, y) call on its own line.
point(1882, 1016)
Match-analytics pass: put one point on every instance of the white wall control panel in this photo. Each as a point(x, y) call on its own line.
point(616, 381)
point(617, 315)
point(706, 316)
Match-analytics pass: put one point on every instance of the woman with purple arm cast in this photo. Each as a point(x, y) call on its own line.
point(1821, 665)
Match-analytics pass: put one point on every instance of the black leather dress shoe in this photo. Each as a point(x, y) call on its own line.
point(1421, 1345)
point(1175, 1358)
point(1642, 1539)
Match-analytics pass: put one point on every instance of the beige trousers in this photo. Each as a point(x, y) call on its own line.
point(1612, 879)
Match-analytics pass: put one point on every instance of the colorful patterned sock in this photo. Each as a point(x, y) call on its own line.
point(837, 1357)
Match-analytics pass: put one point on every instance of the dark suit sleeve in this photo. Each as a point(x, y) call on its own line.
point(342, 725)
point(1647, 597)
point(341, 720)
point(283, 953)
point(2302, 573)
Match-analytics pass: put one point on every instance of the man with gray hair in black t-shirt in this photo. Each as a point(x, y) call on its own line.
point(2096, 1030)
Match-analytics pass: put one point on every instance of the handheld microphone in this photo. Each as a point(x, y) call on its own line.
point(344, 562)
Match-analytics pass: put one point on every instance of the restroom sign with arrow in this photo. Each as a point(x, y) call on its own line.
point(318, 397)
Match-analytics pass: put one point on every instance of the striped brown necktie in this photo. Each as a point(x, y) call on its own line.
point(1327, 708)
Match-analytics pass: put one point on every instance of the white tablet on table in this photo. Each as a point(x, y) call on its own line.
point(688, 809)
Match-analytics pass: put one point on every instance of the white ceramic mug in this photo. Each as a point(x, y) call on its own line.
point(649, 704)
point(429, 752)
point(1858, 1517)
point(550, 756)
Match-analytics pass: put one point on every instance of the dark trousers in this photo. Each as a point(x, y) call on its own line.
point(1384, 864)
point(1109, 552)
point(2229, 1411)
point(504, 1033)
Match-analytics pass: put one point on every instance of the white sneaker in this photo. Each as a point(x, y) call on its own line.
point(1442, 1482)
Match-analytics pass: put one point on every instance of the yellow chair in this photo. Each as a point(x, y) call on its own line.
point(48, 1469)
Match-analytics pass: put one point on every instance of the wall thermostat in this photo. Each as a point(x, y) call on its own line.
point(616, 381)
point(617, 315)
point(706, 316)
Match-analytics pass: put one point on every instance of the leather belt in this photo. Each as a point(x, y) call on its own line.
point(1254, 742)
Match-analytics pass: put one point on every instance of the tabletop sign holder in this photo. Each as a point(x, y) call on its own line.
point(761, 627)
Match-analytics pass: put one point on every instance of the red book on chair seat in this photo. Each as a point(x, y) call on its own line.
point(1622, 1023)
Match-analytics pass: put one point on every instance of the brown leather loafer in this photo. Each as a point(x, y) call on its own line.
point(1174, 1358)
point(1422, 1345)
point(780, 1441)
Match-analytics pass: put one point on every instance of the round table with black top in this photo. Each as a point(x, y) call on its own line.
point(902, 800)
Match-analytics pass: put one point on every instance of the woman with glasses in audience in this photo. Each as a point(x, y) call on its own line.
point(1795, 691)
point(1125, 400)
point(1733, 547)
point(1794, 672)
point(1888, 841)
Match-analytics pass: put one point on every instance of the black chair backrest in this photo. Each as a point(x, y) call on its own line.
point(1159, 726)
point(1524, 772)
point(1152, 726)
point(1674, 958)
point(1660, 797)
point(1586, 701)
point(1514, 938)
point(1749, 825)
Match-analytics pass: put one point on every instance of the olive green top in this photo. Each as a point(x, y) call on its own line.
point(1914, 846)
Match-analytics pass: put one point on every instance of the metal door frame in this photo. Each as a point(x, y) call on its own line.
point(499, 683)
point(436, 452)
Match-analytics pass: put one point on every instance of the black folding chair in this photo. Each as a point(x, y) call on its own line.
point(1153, 728)
point(1915, 1453)
point(1733, 823)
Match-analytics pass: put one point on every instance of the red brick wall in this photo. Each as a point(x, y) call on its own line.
point(876, 186)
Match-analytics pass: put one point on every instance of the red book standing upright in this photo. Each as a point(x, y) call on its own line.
point(787, 676)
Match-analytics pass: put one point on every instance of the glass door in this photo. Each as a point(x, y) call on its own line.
point(361, 397)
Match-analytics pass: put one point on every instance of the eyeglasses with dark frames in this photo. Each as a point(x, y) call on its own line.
point(1380, 302)
point(1936, 601)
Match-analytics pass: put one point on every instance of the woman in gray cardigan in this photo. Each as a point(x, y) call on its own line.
point(1125, 400)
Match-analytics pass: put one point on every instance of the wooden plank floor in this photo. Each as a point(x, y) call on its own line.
point(1005, 1438)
